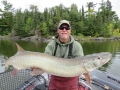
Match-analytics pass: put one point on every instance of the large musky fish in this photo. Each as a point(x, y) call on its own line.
point(54, 65)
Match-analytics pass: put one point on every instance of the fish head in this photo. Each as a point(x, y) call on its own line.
point(101, 58)
point(96, 60)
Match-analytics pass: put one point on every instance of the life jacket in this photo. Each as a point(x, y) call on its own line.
point(70, 50)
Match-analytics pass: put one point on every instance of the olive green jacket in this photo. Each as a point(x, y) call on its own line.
point(63, 49)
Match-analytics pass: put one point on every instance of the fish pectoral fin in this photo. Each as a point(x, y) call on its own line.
point(14, 72)
point(36, 71)
point(87, 77)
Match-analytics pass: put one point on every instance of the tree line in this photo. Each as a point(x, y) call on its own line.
point(103, 22)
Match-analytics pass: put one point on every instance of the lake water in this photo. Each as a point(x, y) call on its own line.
point(8, 48)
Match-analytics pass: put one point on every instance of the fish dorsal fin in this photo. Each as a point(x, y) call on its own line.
point(19, 48)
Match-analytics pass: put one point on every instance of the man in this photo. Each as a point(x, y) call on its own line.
point(64, 46)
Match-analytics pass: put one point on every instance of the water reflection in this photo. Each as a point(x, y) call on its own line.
point(8, 47)
point(113, 47)
point(114, 66)
point(2, 62)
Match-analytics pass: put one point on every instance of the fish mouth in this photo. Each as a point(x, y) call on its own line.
point(106, 59)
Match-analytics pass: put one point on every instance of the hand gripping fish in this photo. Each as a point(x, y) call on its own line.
point(54, 65)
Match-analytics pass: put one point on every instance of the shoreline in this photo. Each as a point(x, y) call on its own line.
point(48, 39)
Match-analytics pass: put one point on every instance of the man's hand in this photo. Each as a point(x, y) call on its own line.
point(36, 71)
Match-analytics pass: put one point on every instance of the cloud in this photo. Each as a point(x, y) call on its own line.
point(25, 4)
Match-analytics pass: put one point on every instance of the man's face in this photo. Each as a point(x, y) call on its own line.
point(64, 32)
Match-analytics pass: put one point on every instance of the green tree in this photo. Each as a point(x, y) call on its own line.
point(34, 16)
point(7, 18)
point(44, 29)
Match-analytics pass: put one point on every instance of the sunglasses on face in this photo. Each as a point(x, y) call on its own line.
point(62, 28)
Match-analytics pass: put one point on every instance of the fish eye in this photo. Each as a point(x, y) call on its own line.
point(98, 57)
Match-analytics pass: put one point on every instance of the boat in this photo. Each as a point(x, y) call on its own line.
point(24, 81)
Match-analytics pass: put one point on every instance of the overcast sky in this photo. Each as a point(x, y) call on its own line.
point(25, 4)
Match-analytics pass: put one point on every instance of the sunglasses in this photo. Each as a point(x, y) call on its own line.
point(62, 28)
